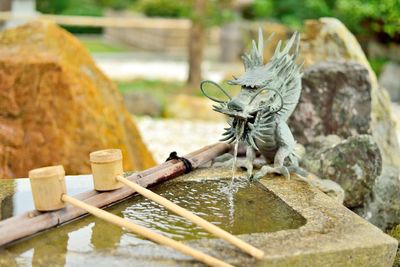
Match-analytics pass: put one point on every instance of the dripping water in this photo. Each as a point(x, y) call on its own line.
point(234, 164)
point(230, 189)
point(233, 187)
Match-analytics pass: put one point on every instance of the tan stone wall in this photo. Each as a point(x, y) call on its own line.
point(149, 38)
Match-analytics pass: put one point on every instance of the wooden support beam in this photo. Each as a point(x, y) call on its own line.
point(32, 222)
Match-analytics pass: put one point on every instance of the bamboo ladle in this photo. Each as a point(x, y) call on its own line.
point(107, 175)
point(49, 193)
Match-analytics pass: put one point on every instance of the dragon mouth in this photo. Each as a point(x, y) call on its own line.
point(235, 114)
point(239, 126)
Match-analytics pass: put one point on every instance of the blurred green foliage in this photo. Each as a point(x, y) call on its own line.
point(117, 4)
point(162, 89)
point(165, 8)
point(72, 7)
point(79, 7)
point(218, 11)
point(360, 16)
point(367, 17)
point(95, 45)
point(377, 64)
point(373, 16)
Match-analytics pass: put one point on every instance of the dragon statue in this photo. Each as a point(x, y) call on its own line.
point(258, 114)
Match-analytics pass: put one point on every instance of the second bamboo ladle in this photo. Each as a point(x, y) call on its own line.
point(107, 175)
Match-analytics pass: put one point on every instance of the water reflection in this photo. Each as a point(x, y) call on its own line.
point(101, 241)
point(53, 250)
point(6, 207)
point(6, 198)
point(16, 196)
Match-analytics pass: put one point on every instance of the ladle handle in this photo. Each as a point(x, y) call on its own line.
point(111, 218)
point(215, 230)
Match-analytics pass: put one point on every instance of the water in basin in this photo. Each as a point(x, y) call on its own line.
point(254, 210)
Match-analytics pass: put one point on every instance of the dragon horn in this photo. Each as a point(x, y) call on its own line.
point(260, 45)
point(290, 43)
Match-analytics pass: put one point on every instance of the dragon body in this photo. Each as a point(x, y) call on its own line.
point(257, 115)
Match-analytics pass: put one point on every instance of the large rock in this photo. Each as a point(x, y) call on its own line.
point(390, 79)
point(328, 39)
point(353, 163)
point(335, 99)
point(56, 106)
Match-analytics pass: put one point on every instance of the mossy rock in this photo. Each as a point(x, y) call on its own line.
point(395, 232)
point(57, 106)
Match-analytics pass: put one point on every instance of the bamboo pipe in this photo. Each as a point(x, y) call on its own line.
point(107, 174)
point(49, 193)
point(137, 229)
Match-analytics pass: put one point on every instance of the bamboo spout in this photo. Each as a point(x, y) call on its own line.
point(115, 162)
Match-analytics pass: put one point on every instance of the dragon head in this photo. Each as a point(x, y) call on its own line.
point(254, 95)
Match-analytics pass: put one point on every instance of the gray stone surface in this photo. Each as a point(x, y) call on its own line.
point(142, 103)
point(390, 79)
point(382, 208)
point(353, 163)
point(332, 236)
point(336, 99)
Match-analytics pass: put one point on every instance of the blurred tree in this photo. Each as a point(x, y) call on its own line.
point(203, 13)
point(196, 43)
point(5, 5)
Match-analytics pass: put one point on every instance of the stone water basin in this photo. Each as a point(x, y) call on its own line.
point(293, 223)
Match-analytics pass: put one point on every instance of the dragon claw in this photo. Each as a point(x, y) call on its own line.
point(256, 177)
point(282, 170)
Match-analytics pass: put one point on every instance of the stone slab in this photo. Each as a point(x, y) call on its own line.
point(332, 236)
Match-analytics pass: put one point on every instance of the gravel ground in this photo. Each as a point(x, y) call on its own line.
point(163, 136)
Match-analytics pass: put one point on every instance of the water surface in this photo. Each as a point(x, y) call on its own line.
point(251, 209)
